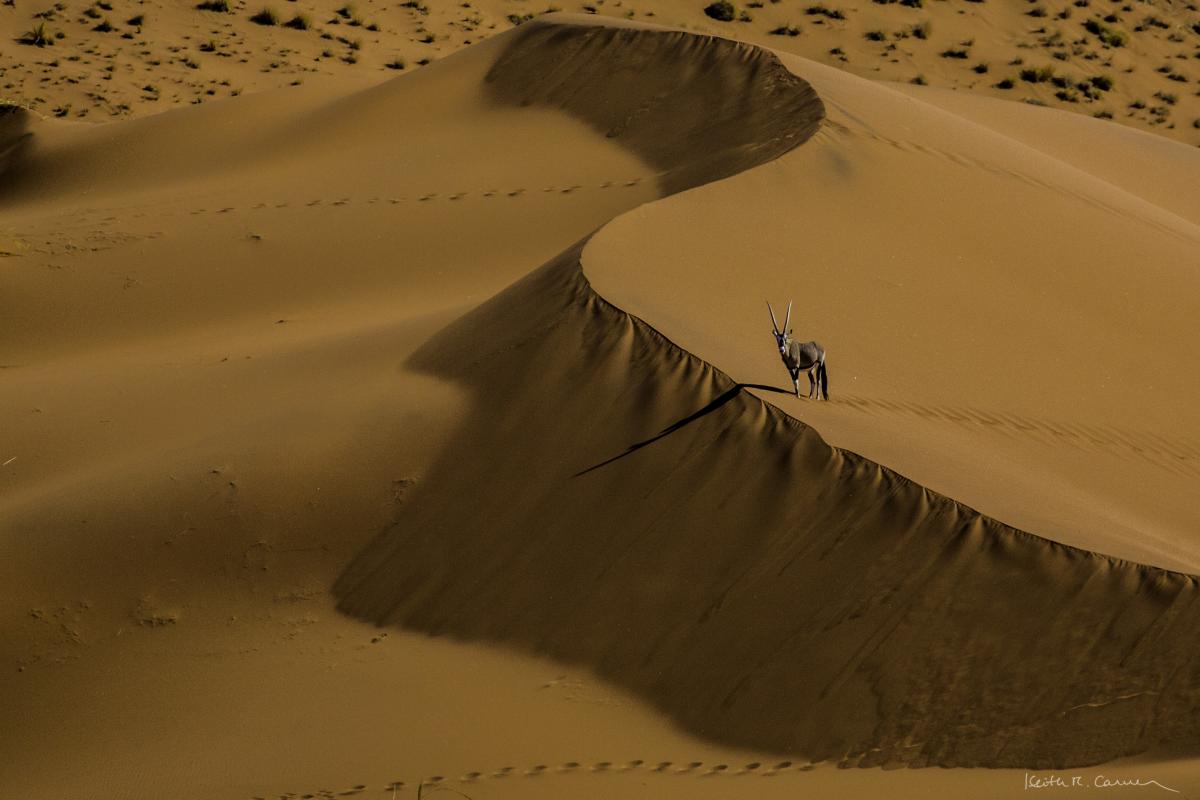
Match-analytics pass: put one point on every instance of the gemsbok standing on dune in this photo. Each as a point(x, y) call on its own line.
point(801, 357)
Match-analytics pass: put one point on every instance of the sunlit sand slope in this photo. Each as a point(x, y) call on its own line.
point(203, 321)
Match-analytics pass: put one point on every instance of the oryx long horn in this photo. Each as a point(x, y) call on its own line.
point(787, 320)
point(774, 323)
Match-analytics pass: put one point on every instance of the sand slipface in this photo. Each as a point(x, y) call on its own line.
point(770, 591)
point(699, 108)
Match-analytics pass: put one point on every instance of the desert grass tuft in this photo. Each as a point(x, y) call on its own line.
point(824, 11)
point(1037, 75)
point(37, 36)
point(266, 16)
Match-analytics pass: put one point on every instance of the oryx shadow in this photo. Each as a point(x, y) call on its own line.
point(704, 411)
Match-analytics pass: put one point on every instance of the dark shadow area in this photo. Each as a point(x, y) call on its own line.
point(699, 108)
point(15, 139)
point(707, 409)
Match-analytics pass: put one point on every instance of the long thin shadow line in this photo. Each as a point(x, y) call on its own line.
point(712, 406)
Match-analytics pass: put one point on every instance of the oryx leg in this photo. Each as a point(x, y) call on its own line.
point(796, 381)
point(812, 382)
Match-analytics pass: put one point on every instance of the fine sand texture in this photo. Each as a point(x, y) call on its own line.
point(388, 439)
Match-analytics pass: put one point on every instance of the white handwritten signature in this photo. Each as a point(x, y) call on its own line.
point(1053, 781)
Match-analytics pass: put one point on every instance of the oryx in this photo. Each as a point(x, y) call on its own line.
point(801, 357)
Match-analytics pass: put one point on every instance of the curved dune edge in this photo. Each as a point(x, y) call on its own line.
point(15, 137)
point(700, 547)
point(667, 97)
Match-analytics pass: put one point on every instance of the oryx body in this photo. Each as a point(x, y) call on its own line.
point(801, 357)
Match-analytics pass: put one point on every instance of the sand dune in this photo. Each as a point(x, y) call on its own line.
point(750, 562)
point(259, 349)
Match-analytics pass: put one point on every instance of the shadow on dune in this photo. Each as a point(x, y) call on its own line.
point(707, 409)
point(15, 138)
point(756, 585)
point(699, 108)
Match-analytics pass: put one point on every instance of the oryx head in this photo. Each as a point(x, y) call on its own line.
point(782, 335)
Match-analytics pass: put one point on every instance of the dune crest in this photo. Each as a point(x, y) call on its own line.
point(698, 107)
point(768, 590)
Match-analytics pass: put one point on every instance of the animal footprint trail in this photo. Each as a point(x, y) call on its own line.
point(1173, 454)
point(424, 197)
point(1029, 180)
point(699, 770)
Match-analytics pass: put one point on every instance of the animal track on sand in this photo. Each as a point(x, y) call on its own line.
point(697, 769)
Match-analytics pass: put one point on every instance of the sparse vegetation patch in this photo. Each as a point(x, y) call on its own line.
point(266, 16)
point(37, 36)
point(824, 11)
point(722, 11)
